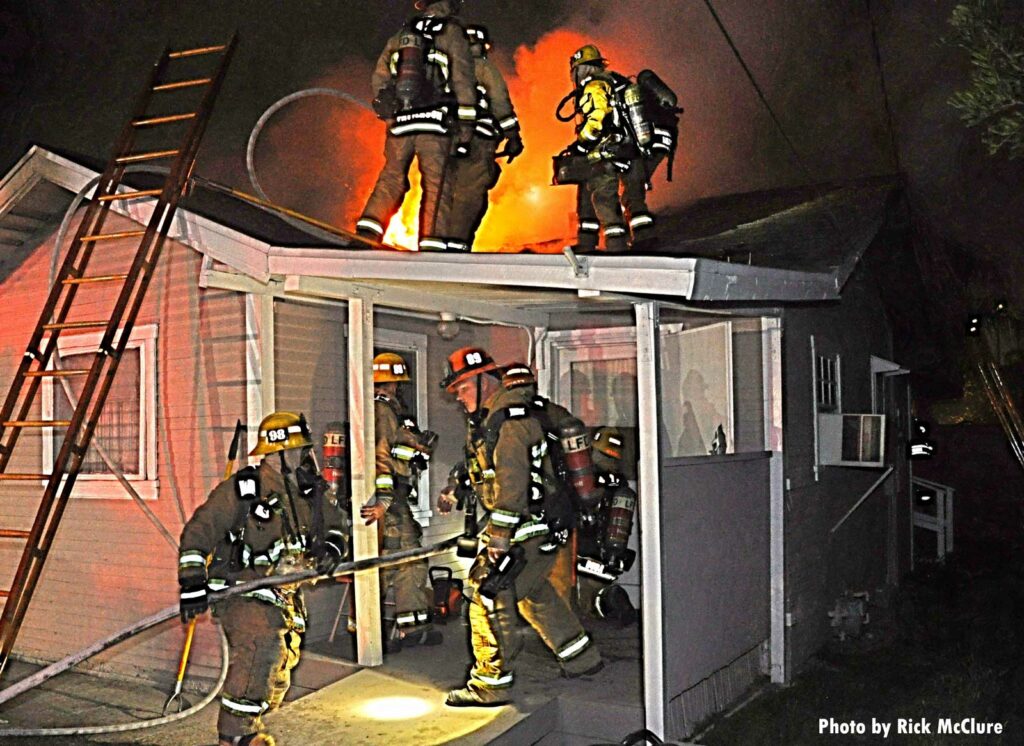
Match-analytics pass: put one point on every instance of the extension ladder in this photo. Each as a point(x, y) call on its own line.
point(172, 112)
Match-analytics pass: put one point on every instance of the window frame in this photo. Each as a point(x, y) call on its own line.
point(98, 486)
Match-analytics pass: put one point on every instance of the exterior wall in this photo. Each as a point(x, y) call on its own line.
point(821, 566)
point(109, 567)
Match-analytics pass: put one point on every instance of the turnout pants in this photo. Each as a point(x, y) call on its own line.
point(598, 206)
point(432, 156)
point(469, 181)
point(413, 596)
point(493, 625)
point(263, 645)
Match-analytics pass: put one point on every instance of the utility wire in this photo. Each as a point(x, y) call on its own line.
point(893, 142)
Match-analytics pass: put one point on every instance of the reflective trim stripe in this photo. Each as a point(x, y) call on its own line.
point(492, 682)
point(243, 706)
point(509, 123)
point(371, 225)
point(192, 558)
point(640, 220)
point(663, 132)
point(505, 518)
point(467, 113)
point(614, 230)
point(384, 482)
point(458, 246)
point(588, 136)
point(433, 244)
point(264, 594)
point(587, 225)
point(405, 129)
point(574, 648)
point(487, 474)
point(403, 452)
point(528, 531)
point(193, 594)
point(217, 584)
point(440, 59)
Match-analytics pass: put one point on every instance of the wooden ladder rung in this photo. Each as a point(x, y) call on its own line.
point(175, 85)
point(93, 278)
point(23, 477)
point(197, 51)
point(5, 594)
point(131, 195)
point(37, 423)
point(13, 533)
point(169, 119)
point(76, 325)
point(57, 373)
point(112, 236)
point(152, 155)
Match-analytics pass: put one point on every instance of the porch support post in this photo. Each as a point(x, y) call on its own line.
point(771, 339)
point(259, 362)
point(647, 379)
point(369, 651)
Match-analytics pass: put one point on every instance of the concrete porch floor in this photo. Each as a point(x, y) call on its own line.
point(333, 701)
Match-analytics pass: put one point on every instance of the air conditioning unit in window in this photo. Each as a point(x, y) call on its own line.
point(851, 439)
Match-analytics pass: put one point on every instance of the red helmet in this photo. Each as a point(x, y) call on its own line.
point(464, 363)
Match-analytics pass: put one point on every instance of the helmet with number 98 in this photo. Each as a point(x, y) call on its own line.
point(282, 431)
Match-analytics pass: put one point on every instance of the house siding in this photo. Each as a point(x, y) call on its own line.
point(108, 566)
point(821, 565)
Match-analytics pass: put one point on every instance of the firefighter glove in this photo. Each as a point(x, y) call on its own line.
point(374, 510)
point(446, 501)
point(194, 599)
point(513, 146)
point(385, 103)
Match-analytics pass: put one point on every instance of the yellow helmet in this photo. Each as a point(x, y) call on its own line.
point(387, 367)
point(282, 431)
point(588, 54)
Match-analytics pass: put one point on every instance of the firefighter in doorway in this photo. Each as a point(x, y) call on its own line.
point(471, 178)
point(425, 92)
point(605, 139)
point(604, 534)
point(511, 473)
point(273, 519)
point(402, 451)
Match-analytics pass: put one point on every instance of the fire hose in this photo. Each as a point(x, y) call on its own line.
point(305, 576)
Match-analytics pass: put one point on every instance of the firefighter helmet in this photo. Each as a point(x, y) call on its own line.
point(518, 374)
point(478, 34)
point(588, 54)
point(388, 367)
point(464, 363)
point(455, 5)
point(609, 441)
point(282, 431)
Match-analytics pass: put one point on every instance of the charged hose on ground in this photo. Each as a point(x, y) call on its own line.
point(44, 674)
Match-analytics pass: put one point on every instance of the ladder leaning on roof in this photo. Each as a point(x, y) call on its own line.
point(190, 80)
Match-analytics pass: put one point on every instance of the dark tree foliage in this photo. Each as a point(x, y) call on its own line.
point(992, 33)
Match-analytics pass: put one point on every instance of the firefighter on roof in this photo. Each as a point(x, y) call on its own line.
point(471, 178)
point(604, 134)
point(273, 519)
point(425, 92)
point(402, 451)
point(511, 473)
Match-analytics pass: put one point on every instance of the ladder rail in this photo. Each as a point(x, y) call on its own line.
point(101, 374)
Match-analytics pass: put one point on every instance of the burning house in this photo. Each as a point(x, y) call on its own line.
point(759, 320)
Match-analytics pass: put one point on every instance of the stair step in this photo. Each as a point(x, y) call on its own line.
point(23, 477)
point(196, 52)
point(169, 119)
point(57, 373)
point(112, 236)
point(175, 85)
point(131, 195)
point(93, 278)
point(11, 533)
point(37, 423)
point(76, 325)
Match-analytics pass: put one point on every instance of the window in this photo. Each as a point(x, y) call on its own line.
point(826, 383)
point(127, 427)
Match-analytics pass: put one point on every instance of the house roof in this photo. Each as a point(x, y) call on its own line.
point(763, 248)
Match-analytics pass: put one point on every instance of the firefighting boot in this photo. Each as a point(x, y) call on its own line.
point(253, 739)
point(616, 239)
point(475, 697)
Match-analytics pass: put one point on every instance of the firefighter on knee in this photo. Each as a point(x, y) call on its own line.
point(510, 470)
point(426, 93)
point(271, 519)
point(471, 178)
point(402, 452)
